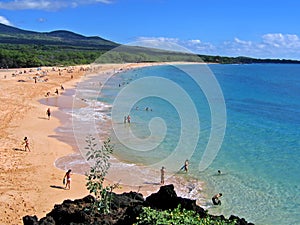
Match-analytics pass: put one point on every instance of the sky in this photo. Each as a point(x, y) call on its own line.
point(252, 28)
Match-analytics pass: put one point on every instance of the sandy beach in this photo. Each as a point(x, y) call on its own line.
point(30, 183)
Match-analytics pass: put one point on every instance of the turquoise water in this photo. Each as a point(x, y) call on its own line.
point(259, 153)
point(259, 156)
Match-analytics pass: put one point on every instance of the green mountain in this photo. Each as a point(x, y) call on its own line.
point(13, 35)
point(23, 48)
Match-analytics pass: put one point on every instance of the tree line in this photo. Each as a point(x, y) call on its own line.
point(32, 55)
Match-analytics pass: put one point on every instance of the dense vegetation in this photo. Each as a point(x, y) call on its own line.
point(176, 216)
point(19, 55)
point(20, 48)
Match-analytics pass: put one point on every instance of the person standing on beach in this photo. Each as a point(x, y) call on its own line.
point(26, 142)
point(216, 199)
point(128, 119)
point(48, 113)
point(162, 175)
point(125, 119)
point(68, 177)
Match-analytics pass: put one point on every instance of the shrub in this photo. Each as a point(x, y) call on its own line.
point(95, 178)
point(176, 216)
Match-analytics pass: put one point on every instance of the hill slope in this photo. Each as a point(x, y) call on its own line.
point(13, 35)
point(23, 48)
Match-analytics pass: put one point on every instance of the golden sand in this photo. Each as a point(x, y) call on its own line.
point(30, 184)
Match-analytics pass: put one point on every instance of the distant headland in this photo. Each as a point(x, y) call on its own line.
point(23, 48)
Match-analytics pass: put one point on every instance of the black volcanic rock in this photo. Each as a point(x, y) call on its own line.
point(30, 220)
point(166, 198)
point(125, 208)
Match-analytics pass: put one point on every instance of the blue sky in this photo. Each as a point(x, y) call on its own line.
point(254, 28)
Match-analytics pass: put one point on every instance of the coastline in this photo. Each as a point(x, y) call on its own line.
point(30, 183)
point(131, 177)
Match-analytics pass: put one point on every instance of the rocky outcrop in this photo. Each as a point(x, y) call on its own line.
point(125, 208)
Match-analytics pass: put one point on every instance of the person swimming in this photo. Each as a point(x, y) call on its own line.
point(216, 199)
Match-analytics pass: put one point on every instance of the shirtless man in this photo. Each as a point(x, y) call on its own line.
point(162, 175)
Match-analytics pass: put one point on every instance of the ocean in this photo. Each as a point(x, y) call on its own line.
point(243, 120)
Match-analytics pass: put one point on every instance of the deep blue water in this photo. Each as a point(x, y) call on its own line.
point(259, 155)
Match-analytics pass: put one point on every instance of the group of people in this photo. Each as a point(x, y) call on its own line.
point(127, 119)
point(67, 177)
point(215, 199)
point(146, 108)
point(185, 167)
point(56, 91)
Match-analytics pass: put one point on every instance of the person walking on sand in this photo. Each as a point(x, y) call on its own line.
point(68, 178)
point(162, 175)
point(26, 142)
point(216, 199)
point(48, 113)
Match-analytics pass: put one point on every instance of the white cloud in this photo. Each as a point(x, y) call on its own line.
point(171, 44)
point(47, 4)
point(275, 45)
point(194, 41)
point(175, 44)
point(42, 20)
point(281, 41)
point(241, 42)
point(5, 21)
point(197, 46)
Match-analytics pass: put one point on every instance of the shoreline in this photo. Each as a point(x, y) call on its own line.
point(30, 183)
point(120, 172)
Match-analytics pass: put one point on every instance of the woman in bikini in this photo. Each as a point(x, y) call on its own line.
point(26, 142)
point(68, 177)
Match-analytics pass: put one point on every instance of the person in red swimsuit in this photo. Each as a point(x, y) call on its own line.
point(128, 119)
point(68, 177)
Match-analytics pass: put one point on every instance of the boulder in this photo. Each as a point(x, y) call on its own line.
point(30, 220)
point(125, 208)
